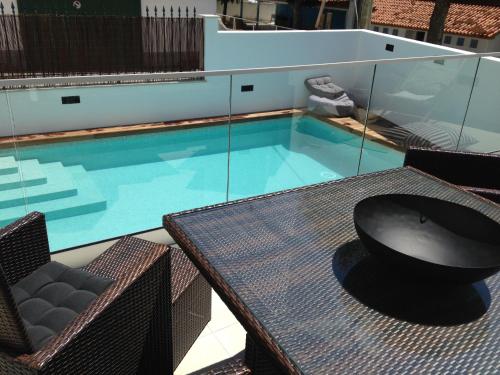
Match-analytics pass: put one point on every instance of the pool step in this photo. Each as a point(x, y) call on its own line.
point(31, 173)
point(8, 165)
point(59, 185)
point(87, 200)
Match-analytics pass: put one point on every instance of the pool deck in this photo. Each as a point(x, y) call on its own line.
point(355, 127)
point(346, 123)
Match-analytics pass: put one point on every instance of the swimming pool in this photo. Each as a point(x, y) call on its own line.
point(96, 189)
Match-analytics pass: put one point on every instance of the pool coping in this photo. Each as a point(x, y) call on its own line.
point(121, 130)
point(353, 126)
point(347, 123)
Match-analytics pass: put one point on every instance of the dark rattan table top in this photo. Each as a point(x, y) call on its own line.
point(290, 266)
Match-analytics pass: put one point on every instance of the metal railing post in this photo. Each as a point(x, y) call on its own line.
point(258, 13)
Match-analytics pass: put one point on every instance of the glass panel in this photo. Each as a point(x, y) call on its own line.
point(416, 104)
point(285, 134)
point(481, 131)
point(158, 148)
point(12, 202)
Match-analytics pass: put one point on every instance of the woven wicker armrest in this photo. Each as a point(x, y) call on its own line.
point(109, 333)
point(491, 194)
point(460, 168)
point(124, 257)
point(24, 246)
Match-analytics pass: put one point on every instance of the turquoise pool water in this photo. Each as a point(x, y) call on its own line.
point(97, 189)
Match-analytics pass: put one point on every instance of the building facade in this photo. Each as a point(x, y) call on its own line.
point(472, 25)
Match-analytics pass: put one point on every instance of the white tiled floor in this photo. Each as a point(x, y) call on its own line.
point(222, 338)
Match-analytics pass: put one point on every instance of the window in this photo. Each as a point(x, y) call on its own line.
point(460, 41)
point(447, 39)
point(375, 28)
point(395, 32)
point(421, 35)
point(385, 30)
point(474, 43)
point(410, 34)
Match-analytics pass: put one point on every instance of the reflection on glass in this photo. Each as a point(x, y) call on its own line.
point(286, 130)
point(418, 104)
point(481, 131)
point(12, 172)
point(298, 128)
point(101, 187)
point(269, 155)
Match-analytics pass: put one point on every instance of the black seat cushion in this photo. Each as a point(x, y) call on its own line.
point(52, 296)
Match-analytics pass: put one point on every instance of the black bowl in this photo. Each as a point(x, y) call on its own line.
point(429, 238)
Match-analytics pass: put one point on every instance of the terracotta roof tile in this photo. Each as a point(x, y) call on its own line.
point(477, 18)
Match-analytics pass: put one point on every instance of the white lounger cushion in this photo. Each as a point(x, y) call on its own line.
point(324, 87)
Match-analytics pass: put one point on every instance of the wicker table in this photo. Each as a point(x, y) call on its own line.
point(291, 268)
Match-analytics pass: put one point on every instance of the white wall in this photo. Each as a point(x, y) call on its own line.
point(202, 6)
point(253, 49)
point(5, 123)
point(495, 44)
point(41, 110)
point(372, 45)
point(272, 91)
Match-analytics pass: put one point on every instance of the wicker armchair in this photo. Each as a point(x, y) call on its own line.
point(191, 304)
point(231, 366)
point(478, 173)
point(125, 330)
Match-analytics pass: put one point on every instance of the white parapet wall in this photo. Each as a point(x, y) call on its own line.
point(41, 110)
point(248, 49)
